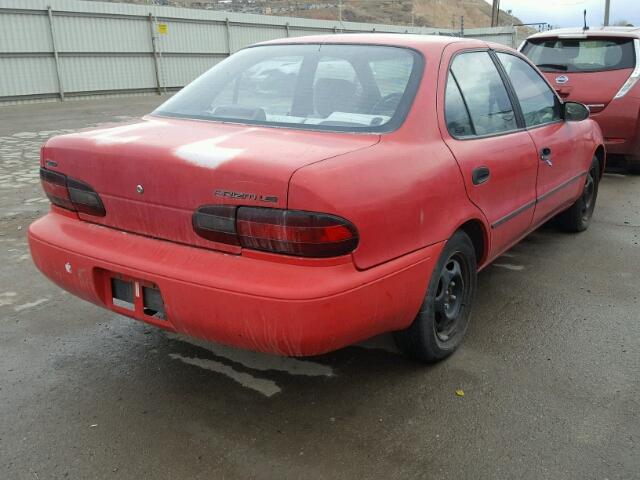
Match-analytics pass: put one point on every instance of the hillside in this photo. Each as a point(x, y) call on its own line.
point(434, 13)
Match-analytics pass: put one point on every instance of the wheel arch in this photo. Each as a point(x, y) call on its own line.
point(479, 235)
point(600, 154)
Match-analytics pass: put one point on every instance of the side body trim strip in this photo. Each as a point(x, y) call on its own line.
point(542, 197)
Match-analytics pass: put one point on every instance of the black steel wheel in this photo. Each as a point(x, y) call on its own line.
point(444, 316)
point(449, 298)
point(588, 199)
point(578, 216)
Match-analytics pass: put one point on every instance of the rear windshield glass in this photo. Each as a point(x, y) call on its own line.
point(311, 86)
point(580, 55)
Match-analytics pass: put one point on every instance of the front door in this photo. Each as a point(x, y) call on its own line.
point(497, 157)
point(560, 180)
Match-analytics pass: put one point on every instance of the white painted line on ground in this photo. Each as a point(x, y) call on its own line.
point(6, 298)
point(26, 306)
point(508, 266)
point(260, 361)
point(266, 387)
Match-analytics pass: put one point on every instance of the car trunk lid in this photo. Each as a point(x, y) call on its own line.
point(595, 89)
point(584, 67)
point(153, 174)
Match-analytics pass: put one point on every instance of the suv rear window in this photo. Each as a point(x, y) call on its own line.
point(580, 54)
point(356, 88)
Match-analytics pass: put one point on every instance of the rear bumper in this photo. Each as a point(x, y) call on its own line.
point(620, 125)
point(284, 308)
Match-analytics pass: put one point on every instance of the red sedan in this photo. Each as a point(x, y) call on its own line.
point(305, 194)
point(599, 67)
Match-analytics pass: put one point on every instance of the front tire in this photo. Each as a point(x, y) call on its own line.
point(444, 315)
point(578, 216)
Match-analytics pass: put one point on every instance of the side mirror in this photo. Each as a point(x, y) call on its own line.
point(575, 112)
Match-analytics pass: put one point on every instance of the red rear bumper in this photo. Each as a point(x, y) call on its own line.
point(251, 303)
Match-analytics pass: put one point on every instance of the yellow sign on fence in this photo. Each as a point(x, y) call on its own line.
point(163, 28)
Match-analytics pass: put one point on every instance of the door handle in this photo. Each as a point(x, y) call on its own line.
point(545, 156)
point(480, 175)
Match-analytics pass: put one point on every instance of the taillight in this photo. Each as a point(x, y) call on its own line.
point(216, 223)
point(635, 75)
point(290, 232)
point(54, 185)
point(71, 194)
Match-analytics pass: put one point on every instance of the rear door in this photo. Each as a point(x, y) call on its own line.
point(497, 157)
point(561, 157)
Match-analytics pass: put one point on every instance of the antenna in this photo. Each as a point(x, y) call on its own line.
point(584, 15)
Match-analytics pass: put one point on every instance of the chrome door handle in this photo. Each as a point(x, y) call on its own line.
point(545, 156)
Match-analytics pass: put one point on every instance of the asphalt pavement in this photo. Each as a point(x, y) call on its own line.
point(550, 368)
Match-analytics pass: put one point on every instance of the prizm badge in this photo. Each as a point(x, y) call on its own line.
point(562, 79)
point(246, 196)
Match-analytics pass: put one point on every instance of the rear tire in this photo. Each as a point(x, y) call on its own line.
point(633, 167)
point(578, 216)
point(444, 315)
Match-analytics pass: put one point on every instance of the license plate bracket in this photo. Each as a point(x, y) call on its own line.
point(137, 296)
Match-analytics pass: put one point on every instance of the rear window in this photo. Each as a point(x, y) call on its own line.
point(319, 87)
point(580, 55)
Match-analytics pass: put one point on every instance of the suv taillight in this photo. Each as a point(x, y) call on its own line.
point(290, 232)
point(72, 194)
point(635, 75)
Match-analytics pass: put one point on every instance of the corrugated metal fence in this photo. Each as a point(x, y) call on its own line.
point(70, 48)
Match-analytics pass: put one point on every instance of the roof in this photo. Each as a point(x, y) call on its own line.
point(631, 32)
point(420, 42)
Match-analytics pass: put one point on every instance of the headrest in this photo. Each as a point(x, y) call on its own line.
point(333, 95)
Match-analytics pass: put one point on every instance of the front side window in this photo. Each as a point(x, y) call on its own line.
point(311, 86)
point(580, 54)
point(538, 103)
point(484, 93)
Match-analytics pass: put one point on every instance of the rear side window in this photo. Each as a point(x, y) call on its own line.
point(455, 111)
point(484, 93)
point(538, 103)
point(580, 54)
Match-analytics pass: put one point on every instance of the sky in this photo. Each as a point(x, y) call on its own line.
point(568, 13)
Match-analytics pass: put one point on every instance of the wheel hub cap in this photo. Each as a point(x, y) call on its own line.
point(449, 299)
point(588, 194)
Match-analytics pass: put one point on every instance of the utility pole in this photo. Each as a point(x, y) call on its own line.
point(413, 16)
point(495, 12)
point(340, 12)
point(606, 12)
